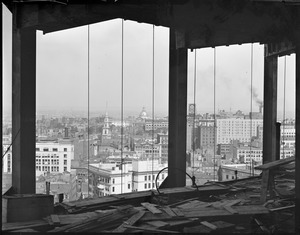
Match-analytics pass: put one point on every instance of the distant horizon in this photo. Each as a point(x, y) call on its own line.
point(116, 113)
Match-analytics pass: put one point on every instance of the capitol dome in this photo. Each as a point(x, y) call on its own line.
point(143, 114)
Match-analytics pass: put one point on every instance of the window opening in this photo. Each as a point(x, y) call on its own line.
point(283, 118)
point(215, 55)
point(153, 104)
point(122, 104)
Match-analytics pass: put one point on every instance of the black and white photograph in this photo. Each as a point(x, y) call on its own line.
point(150, 116)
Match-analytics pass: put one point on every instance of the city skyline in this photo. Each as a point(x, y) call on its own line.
point(62, 71)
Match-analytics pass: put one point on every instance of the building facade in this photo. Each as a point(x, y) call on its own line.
point(236, 171)
point(247, 154)
point(163, 141)
point(156, 124)
point(139, 176)
point(144, 174)
point(206, 136)
point(53, 157)
point(236, 129)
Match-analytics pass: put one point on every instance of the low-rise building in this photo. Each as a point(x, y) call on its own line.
point(144, 173)
point(53, 156)
point(247, 154)
point(156, 124)
point(236, 171)
point(110, 178)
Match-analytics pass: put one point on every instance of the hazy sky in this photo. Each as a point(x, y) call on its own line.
point(62, 71)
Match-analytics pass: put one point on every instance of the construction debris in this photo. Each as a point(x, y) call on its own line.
point(224, 207)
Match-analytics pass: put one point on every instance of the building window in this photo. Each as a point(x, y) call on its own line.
point(65, 162)
point(149, 185)
point(149, 177)
point(145, 185)
point(153, 177)
point(65, 168)
point(113, 189)
point(128, 186)
point(113, 181)
point(145, 178)
point(227, 176)
point(46, 149)
point(37, 149)
point(162, 176)
point(65, 149)
point(55, 150)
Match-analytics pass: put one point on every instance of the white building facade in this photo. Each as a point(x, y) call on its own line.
point(156, 124)
point(138, 176)
point(236, 129)
point(247, 154)
point(53, 157)
point(144, 174)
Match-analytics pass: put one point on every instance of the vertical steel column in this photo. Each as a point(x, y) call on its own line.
point(23, 107)
point(297, 157)
point(270, 107)
point(177, 110)
point(278, 140)
point(1, 70)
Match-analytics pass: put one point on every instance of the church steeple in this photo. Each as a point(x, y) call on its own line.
point(106, 134)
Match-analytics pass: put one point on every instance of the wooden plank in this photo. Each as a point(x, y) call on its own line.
point(158, 224)
point(229, 208)
point(182, 222)
point(151, 207)
point(24, 225)
point(55, 219)
point(282, 208)
point(122, 207)
point(223, 225)
point(169, 211)
point(192, 204)
point(264, 186)
point(131, 221)
point(81, 222)
point(199, 229)
point(178, 212)
point(233, 202)
point(107, 222)
point(290, 166)
point(274, 164)
point(150, 229)
point(261, 225)
point(182, 202)
point(211, 212)
point(209, 225)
